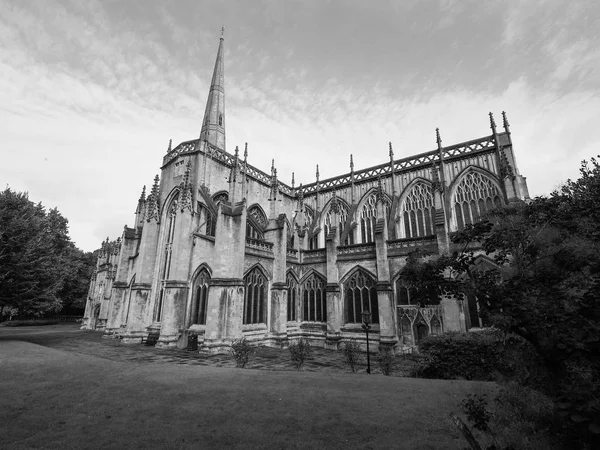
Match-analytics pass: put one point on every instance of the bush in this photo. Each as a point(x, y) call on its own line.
point(29, 323)
point(300, 352)
point(386, 360)
point(470, 356)
point(241, 350)
point(487, 355)
point(352, 353)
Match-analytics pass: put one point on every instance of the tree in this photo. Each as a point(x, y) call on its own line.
point(39, 265)
point(546, 289)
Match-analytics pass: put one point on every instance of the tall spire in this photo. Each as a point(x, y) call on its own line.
point(213, 125)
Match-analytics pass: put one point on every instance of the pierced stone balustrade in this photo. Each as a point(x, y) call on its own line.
point(259, 244)
point(400, 247)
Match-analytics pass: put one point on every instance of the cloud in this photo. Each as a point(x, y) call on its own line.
point(92, 91)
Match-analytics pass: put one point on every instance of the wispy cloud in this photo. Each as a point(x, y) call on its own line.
point(92, 91)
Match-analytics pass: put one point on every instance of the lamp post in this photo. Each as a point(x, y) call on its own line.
point(366, 317)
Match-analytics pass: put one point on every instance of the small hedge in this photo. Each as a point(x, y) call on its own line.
point(29, 323)
point(488, 355)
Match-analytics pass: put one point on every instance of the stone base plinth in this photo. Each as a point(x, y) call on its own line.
point(167, 341)
point(332, 342)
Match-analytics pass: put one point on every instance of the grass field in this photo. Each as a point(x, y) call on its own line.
point(53, 398)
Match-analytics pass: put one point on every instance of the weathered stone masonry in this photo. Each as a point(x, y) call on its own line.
point(220, 249)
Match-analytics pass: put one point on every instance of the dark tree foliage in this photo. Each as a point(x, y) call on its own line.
point(40, 268)
point(547, 290)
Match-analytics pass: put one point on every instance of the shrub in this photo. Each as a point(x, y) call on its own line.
point(300, 352)
point(386, 360)
point(488, 355)
point(471, 356)
point(241, 350)
point(352, 354)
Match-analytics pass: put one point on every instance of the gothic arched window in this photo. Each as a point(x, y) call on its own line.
point(292, 297)
point(410, 295)
point(207, 221)
point(256, 297)
point(474, 196)
point(314, 305)
point(256, 222)
point(418, 212)
point(167, 253)
point(342, 216)
point(368, 219)
point(221, 197)
point(200, 299)
point(360, 295)
point(220, 120)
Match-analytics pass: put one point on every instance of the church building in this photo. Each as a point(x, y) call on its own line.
point(221, 250)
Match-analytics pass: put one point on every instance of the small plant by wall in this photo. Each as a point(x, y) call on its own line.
point(300, 351)
point(241, 350)
point(352, 354)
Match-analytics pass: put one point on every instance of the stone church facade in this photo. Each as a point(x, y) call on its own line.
point(220, 249)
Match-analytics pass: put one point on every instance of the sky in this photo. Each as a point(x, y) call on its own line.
point(92, 91)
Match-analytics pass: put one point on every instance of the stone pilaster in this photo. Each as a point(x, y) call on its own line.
point(278, 321)
point(115, 313)
point(387, 324)
point(276, 233)
point(175, 294)
point(388, 334)
point(136, 319)
point(174, 302)
point(140, 315)
point(334, 316)
point(225, 309)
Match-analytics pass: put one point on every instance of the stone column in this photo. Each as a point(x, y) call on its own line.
point(174, 302)
point(140, 314)
point(225, 311)
point(278, 329)
point(334, 316)
point(387, 321)
point(277, 234)
point(176, 287)
point(136, 320)
point(332, 289)
point(115, 313)
point(226, 290)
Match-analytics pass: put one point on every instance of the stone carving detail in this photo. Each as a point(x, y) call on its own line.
point(152, 203)
point(186, 191)
point(258, 216)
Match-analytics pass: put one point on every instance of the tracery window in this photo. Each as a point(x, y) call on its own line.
point(255, 223)
point(343, 216)
point(313, 241)
point(314, 305)
point(410, 295)
point(221, 197)
point(474, 196)
point(368, 218)
point(256, 297)
point(360, 295)
point(208, 222)
point(165, 267)
point(292, 297)
point(199, 305)
point(418, 212)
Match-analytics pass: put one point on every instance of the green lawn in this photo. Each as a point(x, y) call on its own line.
point(59, 399)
